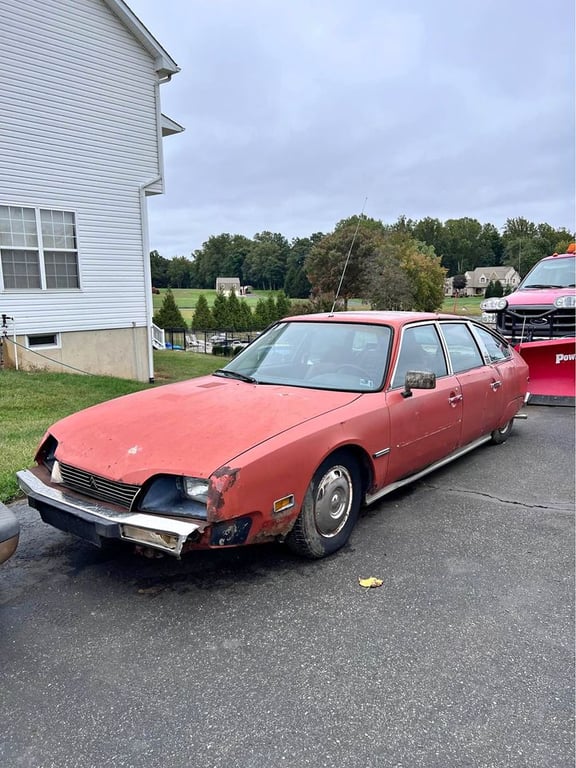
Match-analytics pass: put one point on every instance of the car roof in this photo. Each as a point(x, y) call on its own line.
point(374, 317)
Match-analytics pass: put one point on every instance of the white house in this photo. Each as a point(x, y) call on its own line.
point(80, 149)
point(477, 280)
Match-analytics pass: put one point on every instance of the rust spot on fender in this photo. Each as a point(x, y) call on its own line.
point(220, 483)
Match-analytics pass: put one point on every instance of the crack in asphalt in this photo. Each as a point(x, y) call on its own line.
point(568, 507)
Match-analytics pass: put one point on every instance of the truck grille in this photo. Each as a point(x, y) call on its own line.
point(533, 322)
point(97, 487)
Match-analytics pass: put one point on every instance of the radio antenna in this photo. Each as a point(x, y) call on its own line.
point(348, 256)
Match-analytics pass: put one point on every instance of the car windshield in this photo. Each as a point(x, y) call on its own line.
point(553, 273)
point(318, 355)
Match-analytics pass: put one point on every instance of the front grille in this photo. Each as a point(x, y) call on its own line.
point(533, 322)
point(98, 487)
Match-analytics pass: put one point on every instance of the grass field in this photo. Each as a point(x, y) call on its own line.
point(30, 402)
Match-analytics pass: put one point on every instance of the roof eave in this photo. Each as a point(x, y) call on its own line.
point(164, 64)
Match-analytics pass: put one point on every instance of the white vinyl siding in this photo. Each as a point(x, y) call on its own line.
point(79, 133)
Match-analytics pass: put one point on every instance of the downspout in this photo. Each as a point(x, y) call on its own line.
point(147, 271)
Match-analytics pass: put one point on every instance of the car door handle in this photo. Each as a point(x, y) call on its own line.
point(496, 385)
point(453, 399)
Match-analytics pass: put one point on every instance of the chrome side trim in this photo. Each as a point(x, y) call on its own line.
point(39, 491)
point(383, 452)
point(372, 497)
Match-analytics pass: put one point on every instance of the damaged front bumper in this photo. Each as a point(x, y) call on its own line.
point(95, 522)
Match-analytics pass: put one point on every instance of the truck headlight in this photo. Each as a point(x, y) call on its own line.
point(565, 302)
point(494, 304)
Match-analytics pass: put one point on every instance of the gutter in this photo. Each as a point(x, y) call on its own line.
point(147, 270)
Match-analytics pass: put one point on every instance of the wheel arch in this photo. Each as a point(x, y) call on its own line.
point(362, 459)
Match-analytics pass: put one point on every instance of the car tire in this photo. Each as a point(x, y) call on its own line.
point(500, 436)
point(330, 508)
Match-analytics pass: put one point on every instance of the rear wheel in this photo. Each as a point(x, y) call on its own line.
point(330, 508)
point(500, 436)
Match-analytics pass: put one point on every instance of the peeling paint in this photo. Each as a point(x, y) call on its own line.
point(220, 483)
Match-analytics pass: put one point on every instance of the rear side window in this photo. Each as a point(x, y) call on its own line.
point(463, 350)
point(497, 349)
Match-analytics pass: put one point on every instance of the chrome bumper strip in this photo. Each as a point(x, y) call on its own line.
point(66, 502)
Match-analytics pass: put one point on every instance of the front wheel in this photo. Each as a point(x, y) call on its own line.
point(330, 508)
point(500, 436)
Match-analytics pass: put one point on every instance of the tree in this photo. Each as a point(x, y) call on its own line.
point(220, 256)
point(353, 244)
point(261, 316)
point(459, 282)
point(234, 311)
point(283, 305)
point(426, 275)
point(180, 272)
point(498, 289)
point(296, 284)
point(391, 288)
point(159, 270)
point(220, 313)
point(246, 321)
point(169, 316)
point(202, 319)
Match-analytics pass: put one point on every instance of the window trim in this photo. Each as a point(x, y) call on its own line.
point(56, 345)
point(41, 250)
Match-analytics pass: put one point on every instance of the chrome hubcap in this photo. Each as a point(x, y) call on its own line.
point(333, 501)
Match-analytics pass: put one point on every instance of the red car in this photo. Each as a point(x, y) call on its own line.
point(318, 416)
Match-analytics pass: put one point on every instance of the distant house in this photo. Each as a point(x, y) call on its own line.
point(81, 147)
point(478, 279)
point(226, 285)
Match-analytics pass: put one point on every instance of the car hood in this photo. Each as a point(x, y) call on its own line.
point(537, 296)
point(193, 427)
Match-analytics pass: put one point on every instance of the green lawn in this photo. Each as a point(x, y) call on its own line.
point(30, 402)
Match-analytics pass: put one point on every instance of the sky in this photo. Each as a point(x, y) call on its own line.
point(299, 113)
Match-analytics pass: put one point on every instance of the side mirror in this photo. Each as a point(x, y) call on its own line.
point(418, 380)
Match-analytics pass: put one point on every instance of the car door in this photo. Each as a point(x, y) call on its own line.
point(424, 427)
point(475, 377)
point(504, 387)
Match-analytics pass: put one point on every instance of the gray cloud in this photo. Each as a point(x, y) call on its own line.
point(295, 111)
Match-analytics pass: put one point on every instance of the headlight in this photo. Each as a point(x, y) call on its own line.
point(175, 496)
point(494, 304)
point(565, 302)
point(195, 489)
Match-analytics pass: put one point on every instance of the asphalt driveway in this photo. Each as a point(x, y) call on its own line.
point(256, 659)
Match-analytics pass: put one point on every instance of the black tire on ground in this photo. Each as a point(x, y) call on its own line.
point(330, 508)
point(500, 436)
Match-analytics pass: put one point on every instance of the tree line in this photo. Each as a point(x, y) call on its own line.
point(268, 261)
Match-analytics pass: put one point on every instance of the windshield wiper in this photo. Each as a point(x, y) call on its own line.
point(235, 375)
point(538, 285)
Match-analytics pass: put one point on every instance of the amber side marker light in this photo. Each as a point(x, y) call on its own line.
point(281, 505)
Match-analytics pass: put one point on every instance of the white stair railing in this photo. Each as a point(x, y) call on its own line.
point(158, 337)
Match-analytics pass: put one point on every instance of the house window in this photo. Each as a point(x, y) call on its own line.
point(38, 248)
point(44, 340)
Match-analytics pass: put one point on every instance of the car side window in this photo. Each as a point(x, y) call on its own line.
point(420, 350)
point(497, 349)
point(463, 350)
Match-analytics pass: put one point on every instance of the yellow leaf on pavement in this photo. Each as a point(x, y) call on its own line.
point(371, 581)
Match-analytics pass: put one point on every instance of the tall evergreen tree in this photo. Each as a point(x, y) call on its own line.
point(202, 320)
point(222, 321)
point(169, 316)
